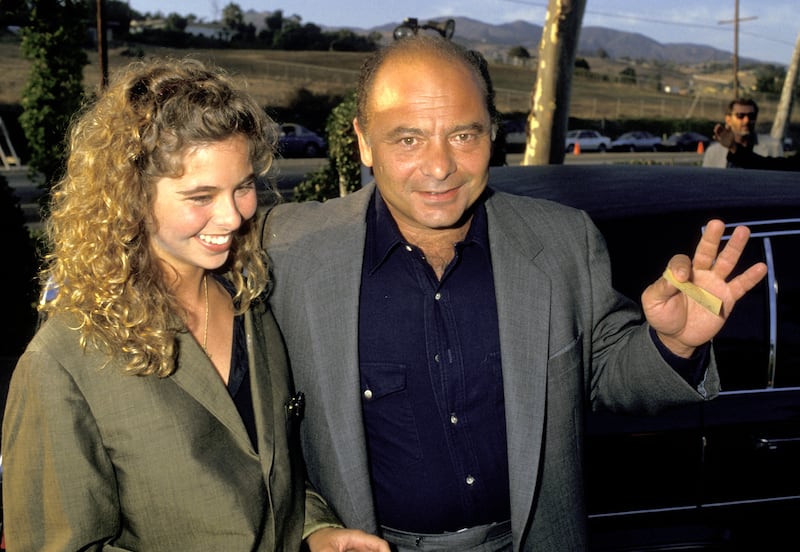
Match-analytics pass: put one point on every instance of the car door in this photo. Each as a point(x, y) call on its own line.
point(751, 432)
point(726, 470)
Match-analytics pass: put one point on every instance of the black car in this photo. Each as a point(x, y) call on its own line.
point(685, 141)
point(724, 474)
point(297, 141)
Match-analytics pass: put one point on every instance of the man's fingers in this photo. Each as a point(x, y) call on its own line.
point(732, 252)
point(706, 253)
point(747, 280)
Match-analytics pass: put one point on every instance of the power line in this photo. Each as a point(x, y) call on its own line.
point(639, 18)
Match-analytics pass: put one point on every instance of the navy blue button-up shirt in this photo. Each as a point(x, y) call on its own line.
point(431, 381)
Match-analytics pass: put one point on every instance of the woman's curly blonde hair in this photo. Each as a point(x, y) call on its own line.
point(100, 261)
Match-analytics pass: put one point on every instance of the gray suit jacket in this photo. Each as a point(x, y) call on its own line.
point(95, 459)
point(568, 343)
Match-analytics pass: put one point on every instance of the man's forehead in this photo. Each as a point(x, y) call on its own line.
point(405, 79)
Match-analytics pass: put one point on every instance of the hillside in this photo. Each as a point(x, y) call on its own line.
point(276, 77)
point(493, 39)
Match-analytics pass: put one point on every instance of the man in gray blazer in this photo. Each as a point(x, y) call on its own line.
point(450, 339)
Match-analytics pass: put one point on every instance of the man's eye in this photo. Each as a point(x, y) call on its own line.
point(408, 141)
point(464, 137)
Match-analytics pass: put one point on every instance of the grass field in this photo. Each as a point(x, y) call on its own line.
point(274, 77)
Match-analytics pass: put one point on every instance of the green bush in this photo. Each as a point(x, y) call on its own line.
point(18, 280)
point(342, 175)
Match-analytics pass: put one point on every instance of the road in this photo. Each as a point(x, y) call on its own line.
point(287, 173)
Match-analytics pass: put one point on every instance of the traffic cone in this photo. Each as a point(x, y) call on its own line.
point(577, 148)
point(700, 148)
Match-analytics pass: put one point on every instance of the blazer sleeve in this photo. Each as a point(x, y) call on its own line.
point(58, 481)
point(318, 514)
point(630, 373)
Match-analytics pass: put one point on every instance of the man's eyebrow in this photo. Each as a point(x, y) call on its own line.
point(398, 132)
point(414, 131)
point(476, 126)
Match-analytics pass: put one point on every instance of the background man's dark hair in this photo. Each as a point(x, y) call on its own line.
point(742, 101)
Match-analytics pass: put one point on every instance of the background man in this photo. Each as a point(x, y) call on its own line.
point(740, 121)
point(450, 339)
point(746, 158)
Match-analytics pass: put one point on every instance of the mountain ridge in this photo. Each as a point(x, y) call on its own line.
point(493, 38)
point(496, 39)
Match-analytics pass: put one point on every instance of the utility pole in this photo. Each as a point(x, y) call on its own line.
point(549, 115)
point(102, 43)
point(781, 122)
point(736, 19)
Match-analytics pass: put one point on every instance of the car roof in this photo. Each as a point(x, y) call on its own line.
point(613, 191)
point(648, 212)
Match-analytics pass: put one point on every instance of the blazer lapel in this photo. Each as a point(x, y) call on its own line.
point(196, 375)
point(523, 309)
point(262, 360)
point(333, 320)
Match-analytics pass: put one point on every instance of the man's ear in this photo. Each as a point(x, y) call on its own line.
point(363, 144)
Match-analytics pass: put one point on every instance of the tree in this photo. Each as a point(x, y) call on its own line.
point(274, 21)
point(519, 52)
point(232, 17)
point(628, 75)
point(176, 22)
point(581, 63)
point(52, 40)
point(769, 78)
point(14, 12)
point(547, 121)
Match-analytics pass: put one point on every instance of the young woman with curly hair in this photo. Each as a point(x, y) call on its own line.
point(153, 410)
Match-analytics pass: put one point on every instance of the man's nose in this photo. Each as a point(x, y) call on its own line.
point(439, 161)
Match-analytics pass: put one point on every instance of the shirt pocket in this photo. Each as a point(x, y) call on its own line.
point(388, 414)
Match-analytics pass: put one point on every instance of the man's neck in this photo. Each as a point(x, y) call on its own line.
point(437, 245)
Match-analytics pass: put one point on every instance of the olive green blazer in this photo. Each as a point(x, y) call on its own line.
point(96, 459)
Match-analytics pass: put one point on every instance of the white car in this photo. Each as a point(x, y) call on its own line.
point(637, 140)
point(589, 140)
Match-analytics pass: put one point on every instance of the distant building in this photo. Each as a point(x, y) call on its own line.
point(208, 30)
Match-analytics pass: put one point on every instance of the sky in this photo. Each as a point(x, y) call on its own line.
point(768, 29)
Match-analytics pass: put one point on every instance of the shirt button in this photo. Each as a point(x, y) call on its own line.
point(437, 296)
point(436, 358)
point(453, 419)
point(408, 248)
point(470, 480)
point(368, 394)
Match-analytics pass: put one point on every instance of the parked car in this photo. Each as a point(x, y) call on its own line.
point(589, 140)
point(723, 474)
point(298, 141)
point(636, 140)
point(685, 141)
point(515, 134)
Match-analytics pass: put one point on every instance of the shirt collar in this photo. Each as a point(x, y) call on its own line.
point(383, 236)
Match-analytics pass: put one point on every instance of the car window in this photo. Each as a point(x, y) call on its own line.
point(759, 347)
point(787, 274)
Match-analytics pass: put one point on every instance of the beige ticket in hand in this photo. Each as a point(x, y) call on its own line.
point(706, 299)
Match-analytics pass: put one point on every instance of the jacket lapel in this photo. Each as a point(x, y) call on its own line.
point(523, 309)
point(261, 361)
point(196, 375)
point(333, 320)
